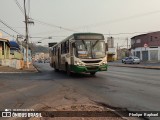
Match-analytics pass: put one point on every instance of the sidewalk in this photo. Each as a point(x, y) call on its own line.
point(6, 69)
point(144, 65)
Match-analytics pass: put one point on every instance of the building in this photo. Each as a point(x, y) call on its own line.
point(110, 41)
point(111, 54)
point(146, 46)
point(14, 46)
point(10, 54)
point(4, 52)
point(112, 51)
point(15, 52)
point(23, 50)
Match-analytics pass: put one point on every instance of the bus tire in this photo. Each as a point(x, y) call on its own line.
point(68, 71)
point(55, 69)
point(92, 73)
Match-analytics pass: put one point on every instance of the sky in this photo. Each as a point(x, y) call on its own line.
point(120, 19)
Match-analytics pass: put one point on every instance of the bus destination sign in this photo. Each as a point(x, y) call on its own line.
point(89, 37)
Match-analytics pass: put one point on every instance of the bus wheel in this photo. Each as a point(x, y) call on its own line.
point(55, 69)
point(68, 70)
point(92, 73)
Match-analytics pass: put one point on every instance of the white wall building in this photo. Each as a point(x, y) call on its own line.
point(149, 54)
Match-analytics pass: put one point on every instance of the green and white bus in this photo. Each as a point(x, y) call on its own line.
point(80, 52)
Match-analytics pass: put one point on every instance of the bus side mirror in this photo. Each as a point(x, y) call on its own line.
point(73, 45)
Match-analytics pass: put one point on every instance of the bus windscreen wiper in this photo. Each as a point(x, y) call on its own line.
point(95, 43)
point(84, 44)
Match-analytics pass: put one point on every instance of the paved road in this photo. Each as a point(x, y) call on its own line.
point(119, 62)
point(131, 88)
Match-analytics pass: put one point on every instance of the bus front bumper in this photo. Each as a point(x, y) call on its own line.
point(79, 69)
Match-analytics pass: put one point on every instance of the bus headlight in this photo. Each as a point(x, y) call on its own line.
point(79, 63)
point(104, 63)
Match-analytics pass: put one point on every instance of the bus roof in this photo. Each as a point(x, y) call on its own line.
point(84, 36)
point(88, 36)
point(87, 33)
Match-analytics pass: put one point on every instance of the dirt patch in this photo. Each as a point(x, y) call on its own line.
point(80, 109)
point(6, 69)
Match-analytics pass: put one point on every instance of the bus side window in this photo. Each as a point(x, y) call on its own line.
point(67, 46)
point(53, 51)
point(63, 50)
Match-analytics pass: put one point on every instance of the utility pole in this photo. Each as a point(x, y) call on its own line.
point(127, 43)
point(117, 51)
point(27, 41)
point(127, 47)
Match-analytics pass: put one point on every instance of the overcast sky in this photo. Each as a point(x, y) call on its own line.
point(68, 16)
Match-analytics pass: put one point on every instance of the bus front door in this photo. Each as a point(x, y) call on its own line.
point(71, 53)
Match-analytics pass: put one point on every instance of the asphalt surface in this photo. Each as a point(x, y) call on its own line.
point(152, 64)
point(131, 88)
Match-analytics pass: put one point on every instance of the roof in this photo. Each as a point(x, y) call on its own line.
point(14, 44)
point(87, 33)
point(5, 40)
point(145, 34)
point(138, 36)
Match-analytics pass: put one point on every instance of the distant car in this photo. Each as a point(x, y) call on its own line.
point(132, 60)
point(47, 61)
point(124, 59)
point(35, 60)
point(40, 61)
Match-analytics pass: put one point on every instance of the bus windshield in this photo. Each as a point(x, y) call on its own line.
point(90, 49)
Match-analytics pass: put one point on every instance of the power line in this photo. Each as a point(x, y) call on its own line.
point(13, 27)
point(9, 27)
point(125, 33)
point(121, 19)
point(51, 25)
point(7, 33)
point(19, 6)
point(46, 32)
point(124, 42)
point(117, 33)
point(47, 37)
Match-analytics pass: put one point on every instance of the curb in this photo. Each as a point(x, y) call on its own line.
point(10, 70)
point(143, 67)
point(36, 68)
point(15, 72)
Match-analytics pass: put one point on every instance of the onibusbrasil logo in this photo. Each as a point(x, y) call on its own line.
point(20, 113)
point(6, 113)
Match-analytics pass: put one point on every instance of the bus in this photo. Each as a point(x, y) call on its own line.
point(80, 53)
